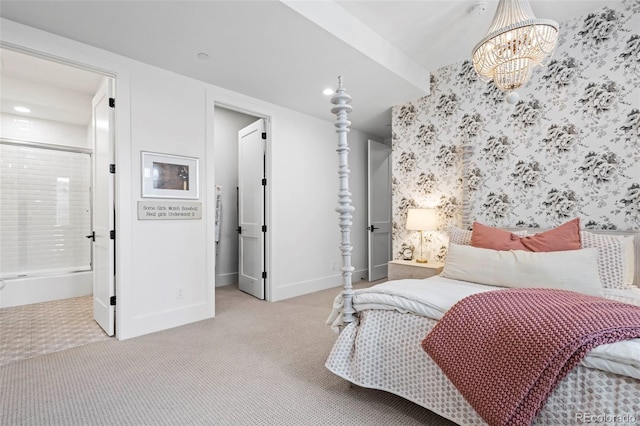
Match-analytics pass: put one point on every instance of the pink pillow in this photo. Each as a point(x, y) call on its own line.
point(488, 237)
point(564, 237)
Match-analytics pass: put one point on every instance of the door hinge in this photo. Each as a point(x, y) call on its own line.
point(112, 102)
point(264, 181)
point(112, 168)
point(112, 301)
point(112, 235)
point(239, 229)
point(264, 228)
point(264, 135)
point(264, 274)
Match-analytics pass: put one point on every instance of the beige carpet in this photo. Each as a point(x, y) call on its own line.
point(256, 363)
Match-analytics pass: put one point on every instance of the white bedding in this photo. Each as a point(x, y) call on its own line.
point(432, 297)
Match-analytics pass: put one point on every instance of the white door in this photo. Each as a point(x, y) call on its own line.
point(379, 208)
point(251, 172)
point(103, 209)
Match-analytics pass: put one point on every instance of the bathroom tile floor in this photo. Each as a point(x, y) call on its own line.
point(31, 330)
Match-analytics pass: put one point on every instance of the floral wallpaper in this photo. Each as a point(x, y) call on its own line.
point(570, 147)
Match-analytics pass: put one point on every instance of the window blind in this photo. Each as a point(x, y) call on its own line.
point(45, 211)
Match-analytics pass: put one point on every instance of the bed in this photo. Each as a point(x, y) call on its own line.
point(385, 332)
point(382, 349)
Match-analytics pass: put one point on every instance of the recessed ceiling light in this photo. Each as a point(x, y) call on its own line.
point(327, 92)
point(203, 56)
point(22, 109)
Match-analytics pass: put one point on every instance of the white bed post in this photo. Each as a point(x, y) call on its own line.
point(341, 99)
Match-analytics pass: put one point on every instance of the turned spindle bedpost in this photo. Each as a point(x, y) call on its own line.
point(341, 99)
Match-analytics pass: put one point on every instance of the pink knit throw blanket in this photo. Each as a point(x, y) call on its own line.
point(507, 350)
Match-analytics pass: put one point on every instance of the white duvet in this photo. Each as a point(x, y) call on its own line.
point(432, 297)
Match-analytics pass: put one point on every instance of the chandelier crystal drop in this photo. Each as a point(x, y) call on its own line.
point(514, 44)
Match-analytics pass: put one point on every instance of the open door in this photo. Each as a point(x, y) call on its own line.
point(379, 208)
point(103, 257)
point(251, 214)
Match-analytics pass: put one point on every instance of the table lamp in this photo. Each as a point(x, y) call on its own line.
point(421, 220)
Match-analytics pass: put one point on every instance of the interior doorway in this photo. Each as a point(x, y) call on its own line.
point(47, 105)
point(228, 123)
point(379, 208)
point(252, 227)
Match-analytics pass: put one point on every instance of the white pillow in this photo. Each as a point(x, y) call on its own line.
point(575, 270)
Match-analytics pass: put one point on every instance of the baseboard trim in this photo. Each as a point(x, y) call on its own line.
point(311, 286)
point(226, 279)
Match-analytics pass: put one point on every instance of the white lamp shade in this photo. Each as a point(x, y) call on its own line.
point(421, 220)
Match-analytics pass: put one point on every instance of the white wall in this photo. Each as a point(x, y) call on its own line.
point(305, 184)
point(303, 234)
point(227, 124)
point(161, 111)
point(168, 116)
point(29, 129)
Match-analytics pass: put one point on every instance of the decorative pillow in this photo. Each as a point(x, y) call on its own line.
point(629, 261)
point(575, 270)
point(562, 238)
point(463, 236)
point(616, 265)
point(494, 238)
point(459, 236)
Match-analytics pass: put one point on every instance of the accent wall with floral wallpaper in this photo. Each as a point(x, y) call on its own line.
point(570, 147)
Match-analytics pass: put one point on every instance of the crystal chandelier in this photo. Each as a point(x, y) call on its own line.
point(514, 44)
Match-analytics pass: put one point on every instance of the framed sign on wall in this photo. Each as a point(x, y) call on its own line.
point(169, 176)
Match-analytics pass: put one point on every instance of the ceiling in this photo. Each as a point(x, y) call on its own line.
point(285, 52)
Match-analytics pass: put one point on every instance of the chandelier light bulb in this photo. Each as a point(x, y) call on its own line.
point(512, 97)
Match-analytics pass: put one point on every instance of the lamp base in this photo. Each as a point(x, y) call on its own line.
point(422, 261)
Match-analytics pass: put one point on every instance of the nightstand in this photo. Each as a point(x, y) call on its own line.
point(402, 269)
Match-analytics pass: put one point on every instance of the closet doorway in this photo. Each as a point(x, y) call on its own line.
point(47, 114)
point(235, 265)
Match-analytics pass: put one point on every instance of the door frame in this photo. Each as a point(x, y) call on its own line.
point(121, 144)
point(267, 200)
point(370, 222)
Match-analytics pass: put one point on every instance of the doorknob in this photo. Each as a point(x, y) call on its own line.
point(92, 236)
point(372, 228)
